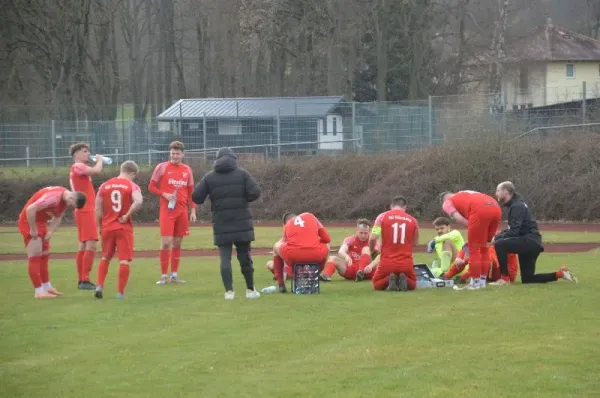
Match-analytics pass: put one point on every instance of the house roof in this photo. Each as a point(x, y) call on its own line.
point(251, 107)
point(549, 43)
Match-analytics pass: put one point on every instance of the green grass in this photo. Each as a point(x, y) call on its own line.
point(148, 238)
point(349, 341)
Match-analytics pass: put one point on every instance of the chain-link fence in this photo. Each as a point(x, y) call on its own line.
point(272, 128)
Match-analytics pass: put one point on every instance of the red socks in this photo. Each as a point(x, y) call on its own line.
point(164, 255)
point(79, 263)
point(44, 273)
point(88, 264)
point(102, 272)
point(365, 259)
point(175, 256)
point(329, 269)
point(123, 277)
point(278, 269)
point(34, 271)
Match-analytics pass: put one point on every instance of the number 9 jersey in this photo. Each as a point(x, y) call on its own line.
point(398, 231)
point(117, 196)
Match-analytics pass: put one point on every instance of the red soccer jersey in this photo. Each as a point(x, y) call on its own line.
point(305, 231)
point(355, 246)
point(397, 230)
point(117, 197)
point(82, 182)
point(50, 204)
point(170, 177)
point(465, 202)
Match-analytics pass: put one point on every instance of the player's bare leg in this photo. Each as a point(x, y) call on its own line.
point(166, 243)
point(175, 257)
point(85, 259)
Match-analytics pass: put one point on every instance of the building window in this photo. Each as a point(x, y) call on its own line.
point(570, 71)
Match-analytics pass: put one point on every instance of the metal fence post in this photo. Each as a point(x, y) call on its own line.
point(357, 145)
point(53, 144)
point(204, 144)
point(180, 118)
point(430, 116)
point(583, 103)
point(27, 155)
point(279, 134)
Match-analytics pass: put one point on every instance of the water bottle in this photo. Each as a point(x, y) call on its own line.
point(269, 289)
point(106, 160)
point(172, 203)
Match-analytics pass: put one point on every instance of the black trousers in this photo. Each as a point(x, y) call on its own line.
point(245, 260)
point(528, 250)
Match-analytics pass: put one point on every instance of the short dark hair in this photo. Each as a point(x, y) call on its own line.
point(441, 196)
point(78, 147)
point(177, 145)
point(363, 221)
point(399, 201)
point(441, 221)
point(287, 216)
point(80, 200)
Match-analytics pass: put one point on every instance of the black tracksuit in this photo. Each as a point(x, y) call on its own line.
point(524, 239)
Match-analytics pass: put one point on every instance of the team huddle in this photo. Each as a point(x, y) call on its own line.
point(381, 253)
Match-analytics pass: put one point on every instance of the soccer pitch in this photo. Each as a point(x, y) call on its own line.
point(348, 341)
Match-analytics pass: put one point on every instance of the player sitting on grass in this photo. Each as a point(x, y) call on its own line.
point(352, 257)
point(446, 244)
point(460, 269)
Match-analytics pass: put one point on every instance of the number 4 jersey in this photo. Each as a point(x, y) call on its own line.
point(117, 196)
point(397, 230)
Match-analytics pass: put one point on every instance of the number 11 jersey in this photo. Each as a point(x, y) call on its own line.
point(397, 230)
point(117, 196)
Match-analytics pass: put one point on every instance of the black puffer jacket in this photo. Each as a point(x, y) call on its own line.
point(230, 189)
point(520, 221)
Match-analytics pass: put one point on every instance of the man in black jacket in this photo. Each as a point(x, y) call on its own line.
point(523, 238)
point(230, 189)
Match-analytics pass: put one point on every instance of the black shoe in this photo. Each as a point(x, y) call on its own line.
point(98, 294)
point(86, 286)
point(394, 283)
point(360, 275)
point(282, 288)
point(402, 283)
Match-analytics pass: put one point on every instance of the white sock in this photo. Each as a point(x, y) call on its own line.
point(482, 280)
point(39, 290)
point(47, 285)
point(173, 274)
point(474, 282)
point(164, 276)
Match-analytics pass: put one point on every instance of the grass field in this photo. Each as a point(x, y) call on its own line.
point(148, 238)
point(186, 341)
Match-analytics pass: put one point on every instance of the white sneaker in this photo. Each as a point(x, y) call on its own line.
point(230, 295)
point(252, 294)
point(474, 285)
point(163, 281)
point(567, 275)
point(499, 282)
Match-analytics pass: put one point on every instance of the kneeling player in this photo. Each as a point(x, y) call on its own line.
point(117, 199)
point(352, 257)
point(446, 244)
point(399, 232)
point(286, 267)
point(305, 240)
point(460, 268)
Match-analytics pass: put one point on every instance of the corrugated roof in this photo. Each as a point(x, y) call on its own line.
point(250, 107)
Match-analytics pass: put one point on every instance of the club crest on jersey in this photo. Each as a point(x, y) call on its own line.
point(177, 183)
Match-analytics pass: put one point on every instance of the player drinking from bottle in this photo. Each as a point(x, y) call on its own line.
point(87, 231)
point(399, 233)
point(481, 214)
point(305, 240)
point(47, 203)
point(173, 181)
point(117, 200)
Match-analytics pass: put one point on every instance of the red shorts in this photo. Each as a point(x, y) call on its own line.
point(406, 268)
point(352, 270)
point(174, 223)
point(483, 224)
point(41, 233)
point(119, 241)
point(87, 229)
point(295, 255)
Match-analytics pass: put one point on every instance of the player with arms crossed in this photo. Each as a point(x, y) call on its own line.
point(173, 181)
point(117, 200)
point(47, 203)
point(305, 240)
point(353, 256)
point(87, 230)
point(399, 233)
point(481, 214)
